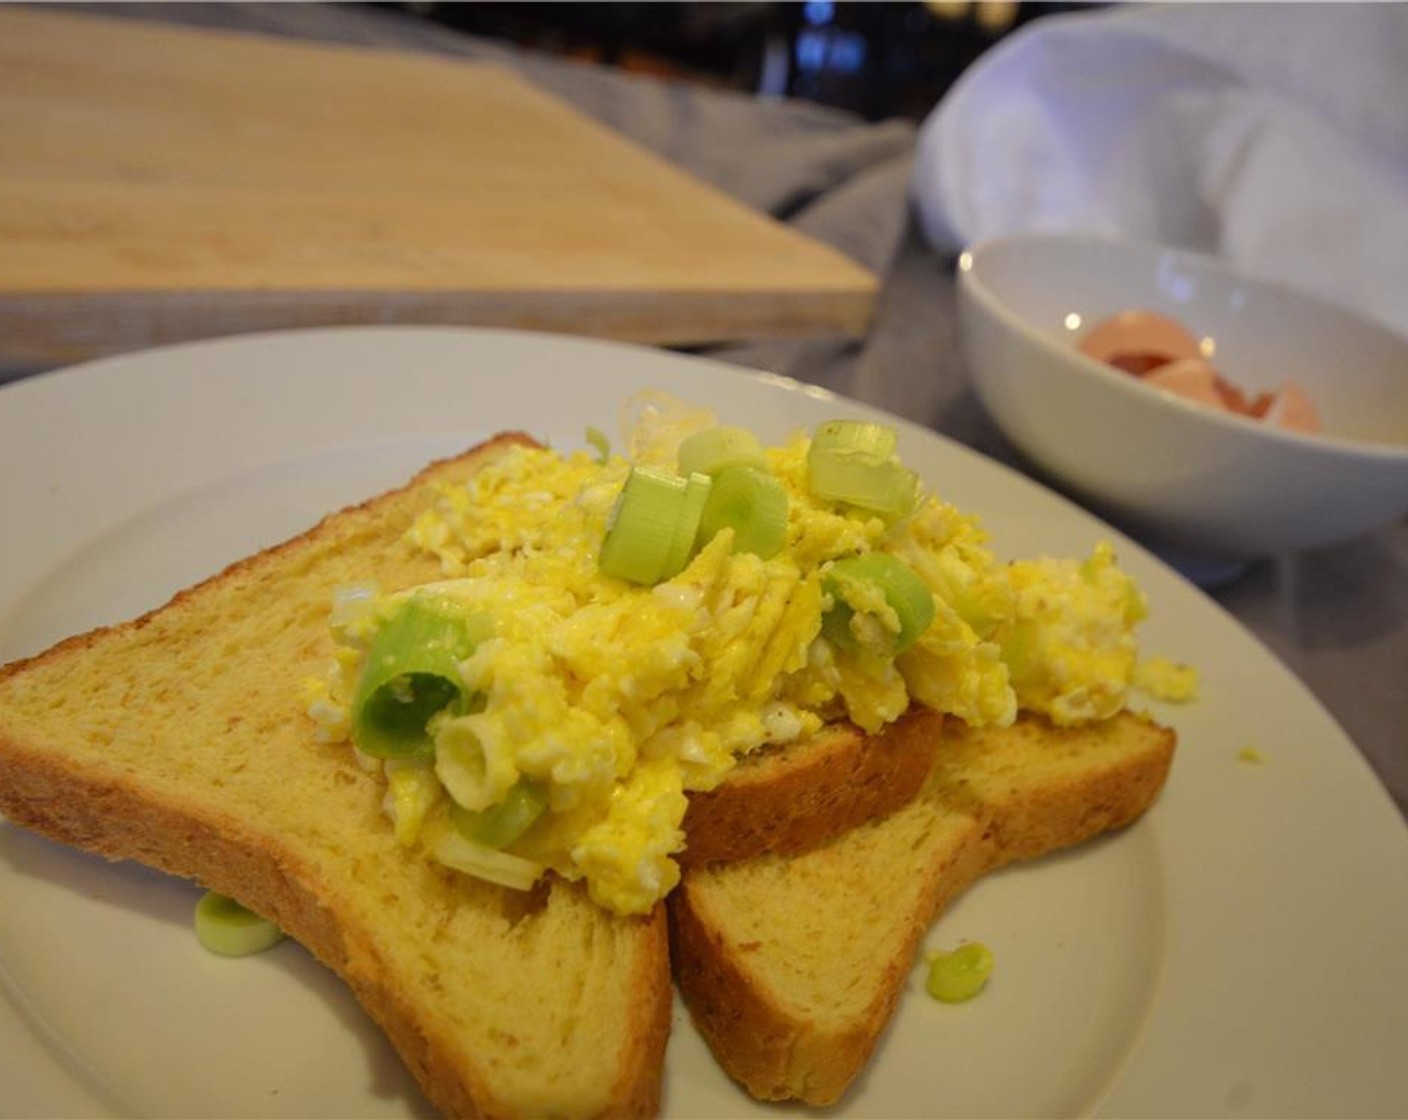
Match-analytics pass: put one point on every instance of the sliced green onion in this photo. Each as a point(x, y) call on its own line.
point(905, 594)
point(857, 437)
point(960, 975)
point(597, 438)
point(500, 825)
point(836, 626)
point(854, 462)
point(654, 526)
point(507, 870)
point(753, 505)
point(696, 497)
point(411, 673)
point(713, 449)
point(224, 926)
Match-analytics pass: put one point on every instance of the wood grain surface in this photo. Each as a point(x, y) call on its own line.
point(160, 184)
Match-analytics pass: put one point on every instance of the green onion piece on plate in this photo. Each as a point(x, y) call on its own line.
point(960, 975)
point(753, 505)
point(713, 449)
point(653, 526)
point(905, 594)
point(853, 461)
point(500, 825)
point(411, 673)
point(224, 926)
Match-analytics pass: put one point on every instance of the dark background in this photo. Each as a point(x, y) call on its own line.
point(875, 59)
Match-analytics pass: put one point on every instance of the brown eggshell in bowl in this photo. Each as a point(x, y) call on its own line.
point(1140, 336)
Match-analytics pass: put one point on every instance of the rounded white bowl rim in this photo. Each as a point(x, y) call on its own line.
point(1122, 382)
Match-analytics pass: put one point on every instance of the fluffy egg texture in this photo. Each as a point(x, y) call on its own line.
point(619, 700)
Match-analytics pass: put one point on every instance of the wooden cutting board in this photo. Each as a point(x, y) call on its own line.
point(160, 185)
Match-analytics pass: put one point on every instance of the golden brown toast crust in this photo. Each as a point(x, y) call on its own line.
point(328, 524)
point(792, 799)
point(984, 806)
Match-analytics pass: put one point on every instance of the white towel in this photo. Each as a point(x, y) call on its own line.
point(1273, 136)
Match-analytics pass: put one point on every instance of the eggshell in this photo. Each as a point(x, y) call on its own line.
point(1139, 332)
point(1191, 378)
point(1291, 408)
point(1139, 362)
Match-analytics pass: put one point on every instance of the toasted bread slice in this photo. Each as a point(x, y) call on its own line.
point(178, 740)
point(791, 966)
point(789, 799)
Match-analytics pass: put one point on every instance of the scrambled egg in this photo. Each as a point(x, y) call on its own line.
point(1166, 680)
point(614, 701)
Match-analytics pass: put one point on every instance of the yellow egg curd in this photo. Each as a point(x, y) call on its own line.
point(594, 705)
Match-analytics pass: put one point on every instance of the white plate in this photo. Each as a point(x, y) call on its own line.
point(1242, 950)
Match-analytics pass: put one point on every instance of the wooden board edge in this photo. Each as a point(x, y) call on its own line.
point(42, 330)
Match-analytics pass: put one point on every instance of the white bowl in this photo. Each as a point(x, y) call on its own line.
point(1187, 477)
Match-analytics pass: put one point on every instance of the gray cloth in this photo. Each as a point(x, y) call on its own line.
point(1338, 617)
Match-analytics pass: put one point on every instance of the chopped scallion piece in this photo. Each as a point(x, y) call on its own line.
point(507, 870)
point(696, 497)
point(224, 926)
point(500, 825)
point(854, 462)
point(654, 525)
point(597, 438)
point(713, 449)
point(411, 673)
point(905, 594)
point(857, 437)
point(960, 975)
point(753, 505)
